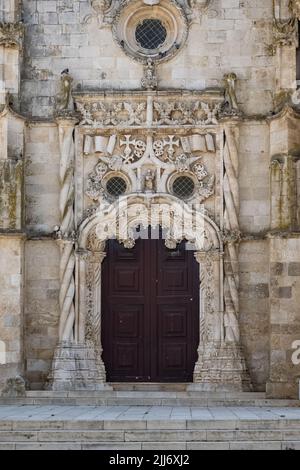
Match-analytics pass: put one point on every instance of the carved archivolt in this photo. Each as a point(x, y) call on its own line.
point(121, 218)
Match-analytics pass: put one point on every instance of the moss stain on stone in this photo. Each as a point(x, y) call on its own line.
point(10, 191)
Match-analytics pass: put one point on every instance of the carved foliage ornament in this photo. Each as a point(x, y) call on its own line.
point(174, 113)
point(11, 34)
point(107, 10)
point(101, 114)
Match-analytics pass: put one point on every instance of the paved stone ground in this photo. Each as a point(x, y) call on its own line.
point(115, 413)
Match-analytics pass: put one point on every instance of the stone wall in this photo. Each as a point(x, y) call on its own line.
point(284, 315)
point(254, 309)
point(42, 253)
point(41, 309)
point(42, 178)
point(232, 38)
point(11, 306)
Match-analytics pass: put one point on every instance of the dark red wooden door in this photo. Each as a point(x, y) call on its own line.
point(150, 312)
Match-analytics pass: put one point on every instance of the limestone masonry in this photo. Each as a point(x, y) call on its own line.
point(106, 98)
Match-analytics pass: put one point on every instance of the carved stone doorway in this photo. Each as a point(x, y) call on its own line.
point(150, 311)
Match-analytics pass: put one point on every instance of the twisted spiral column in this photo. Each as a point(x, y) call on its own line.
point(66, 206)
point(231, 227)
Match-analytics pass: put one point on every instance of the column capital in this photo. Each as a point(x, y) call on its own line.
point(204, 256)
point(66, 118)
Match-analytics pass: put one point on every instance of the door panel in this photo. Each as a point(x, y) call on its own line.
point(150, 310)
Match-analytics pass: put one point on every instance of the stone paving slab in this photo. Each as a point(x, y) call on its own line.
point(149, 413)
point(148, 428)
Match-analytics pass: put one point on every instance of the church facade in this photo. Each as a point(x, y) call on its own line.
point(150, 194)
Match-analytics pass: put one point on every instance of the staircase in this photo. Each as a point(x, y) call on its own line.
point(148, 417)
point(148, 434)
point(147, 395)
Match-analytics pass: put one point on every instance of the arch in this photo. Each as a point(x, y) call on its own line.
point(120, 219)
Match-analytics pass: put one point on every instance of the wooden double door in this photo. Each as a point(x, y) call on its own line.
point(150, 312)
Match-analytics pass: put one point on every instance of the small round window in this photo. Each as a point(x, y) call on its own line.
point(150, 34)
point(116, 186)
point(183, 187)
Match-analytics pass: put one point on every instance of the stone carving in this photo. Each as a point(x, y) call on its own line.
point(206, 188)
point(284, 34)
point(14, 387)
point(200, 171)
point(230, 106)
point(134, 149)
point(11, 34)
point(231, 224)
point(99, 114)
point(204, 110)
point(129, 243)
point(294, 6)
point(66, 205)
point(115, 163)
point(94, 183)
point(106, 11)
point(64, 99)
point(149, 183)
point(182, 163)
point(186, 113)
point(149, 81)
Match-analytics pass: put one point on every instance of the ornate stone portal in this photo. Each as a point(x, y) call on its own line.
point(139, 148)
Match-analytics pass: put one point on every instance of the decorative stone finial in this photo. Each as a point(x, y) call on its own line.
point(230, 106)
point(64, 99)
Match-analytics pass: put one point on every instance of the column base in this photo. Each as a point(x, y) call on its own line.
point(77, 367)
point(283, 390)
point(221, 367)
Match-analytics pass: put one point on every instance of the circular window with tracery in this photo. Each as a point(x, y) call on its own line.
point(156, 31)
point(183, 187)
point(150, 33)
point(116, 186)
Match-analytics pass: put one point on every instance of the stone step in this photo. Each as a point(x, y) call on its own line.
point(141, 428)
point(149, 386)
point(136, 439)
point(147, 398)
point(137, 446)
point(225, 426)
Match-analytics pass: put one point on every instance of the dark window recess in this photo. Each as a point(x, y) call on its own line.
point(183, 187)
point(150, 34)
point(116, 186)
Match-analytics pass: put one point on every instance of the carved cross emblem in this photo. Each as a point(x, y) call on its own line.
point(128, 155)
point(171, 144)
